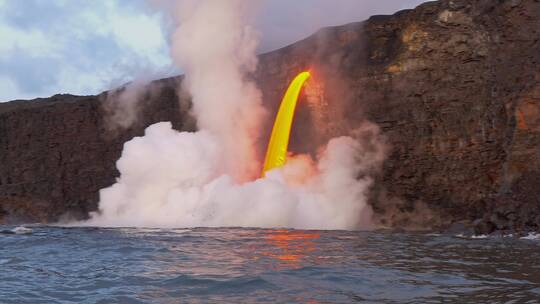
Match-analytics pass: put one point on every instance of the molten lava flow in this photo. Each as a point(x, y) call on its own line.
point(279, 141)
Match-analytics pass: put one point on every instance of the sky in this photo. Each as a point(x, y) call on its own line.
point(84, 47)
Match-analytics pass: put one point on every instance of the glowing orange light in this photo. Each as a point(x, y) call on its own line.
point(292, 245)
point(279, 141)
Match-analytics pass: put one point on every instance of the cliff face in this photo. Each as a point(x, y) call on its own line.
point(56, 153)
point(453, 85)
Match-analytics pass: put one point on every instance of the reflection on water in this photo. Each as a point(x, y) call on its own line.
point(290, 246)
point(89, 265)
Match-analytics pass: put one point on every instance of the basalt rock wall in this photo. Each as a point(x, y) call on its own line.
point(56, 153)
point(454, 87)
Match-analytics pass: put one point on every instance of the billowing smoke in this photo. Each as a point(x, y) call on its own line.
point(168, 179)
point(122, 106)
point(179, 179)
point(216, 50)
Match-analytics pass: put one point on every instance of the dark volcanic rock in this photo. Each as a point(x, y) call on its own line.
point(453, 85)
point(57, 152)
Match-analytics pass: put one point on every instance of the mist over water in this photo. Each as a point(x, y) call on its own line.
point(210, 178)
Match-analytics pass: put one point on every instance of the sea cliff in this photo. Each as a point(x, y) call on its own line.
point(454, 87)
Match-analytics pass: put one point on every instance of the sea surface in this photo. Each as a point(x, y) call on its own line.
point(128, 265)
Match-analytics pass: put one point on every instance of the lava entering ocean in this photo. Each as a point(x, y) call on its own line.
point(208, 178)
point(279, 140)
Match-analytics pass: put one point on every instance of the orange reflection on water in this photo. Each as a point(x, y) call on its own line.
point(291, 246)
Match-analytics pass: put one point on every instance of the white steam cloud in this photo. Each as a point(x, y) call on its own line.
point(169, 180)
point(178, 179)
point(123, 107)
point(216, 50)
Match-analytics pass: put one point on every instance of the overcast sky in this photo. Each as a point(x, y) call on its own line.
point(85, 47)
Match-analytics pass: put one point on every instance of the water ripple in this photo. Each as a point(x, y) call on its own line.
point(92, 265)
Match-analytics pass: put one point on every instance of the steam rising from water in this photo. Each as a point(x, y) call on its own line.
point(179, 179)
point(169, 179)
point(216, 50)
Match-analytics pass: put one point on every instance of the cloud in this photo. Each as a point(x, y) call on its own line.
point(32, 42)
point(85, 47)
point(282, 22)
point(78, 47)
point(9, 88)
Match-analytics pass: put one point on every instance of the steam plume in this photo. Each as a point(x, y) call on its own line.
point(216, 50)
point(123, 107)
point(168, 179)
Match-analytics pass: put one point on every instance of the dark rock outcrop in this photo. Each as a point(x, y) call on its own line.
point(453, 85)
point(56, 153)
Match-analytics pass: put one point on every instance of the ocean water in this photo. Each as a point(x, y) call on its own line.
point(96, 265)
